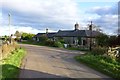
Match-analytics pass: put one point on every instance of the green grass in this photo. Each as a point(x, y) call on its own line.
point(11, 65)
point(56, 44)
point(32, 43)
point(27, 42)
point(101, 63)
point(79, 49)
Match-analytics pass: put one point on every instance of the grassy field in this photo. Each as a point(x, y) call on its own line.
point(11, 65)
point(101, 63)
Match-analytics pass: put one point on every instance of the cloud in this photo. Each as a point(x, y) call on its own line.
point(55, 14)
point(107, 17)
point(104, 10)
point(42, 11)
point(97, 1)
point(5, 30)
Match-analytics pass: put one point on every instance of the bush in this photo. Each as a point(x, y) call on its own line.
point(43, 38)
point(102, 40)
point(99, 50)
point(53, 43)
point(62, 41)
point(49, 43)
point(58, 44)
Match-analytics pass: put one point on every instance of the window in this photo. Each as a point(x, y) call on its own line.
point(84, 42)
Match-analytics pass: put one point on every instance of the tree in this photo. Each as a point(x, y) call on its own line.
point(18, 35)
point(118, 40)
point(5, 37)
point(43, 38)
point(112, 41)
point(27, 36)
point(95, 28)
point(102, 40)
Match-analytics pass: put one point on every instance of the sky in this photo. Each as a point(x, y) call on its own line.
point(34, 16)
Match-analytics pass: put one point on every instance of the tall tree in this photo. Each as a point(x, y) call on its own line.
point(18, 35)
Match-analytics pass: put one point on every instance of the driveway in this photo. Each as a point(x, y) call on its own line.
point(47, 62)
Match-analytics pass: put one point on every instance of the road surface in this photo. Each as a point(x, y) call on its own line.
point(46, 62)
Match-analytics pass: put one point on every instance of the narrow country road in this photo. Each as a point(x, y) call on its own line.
point(46, 62)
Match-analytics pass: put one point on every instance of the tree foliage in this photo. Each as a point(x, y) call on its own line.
point(18, 35)
point(102, 40)
point(112, 40)
point(43, 38)
point(27, 36)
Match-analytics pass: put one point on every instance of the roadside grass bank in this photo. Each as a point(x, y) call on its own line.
point(11, 64)
point(46, 43)
point(102, 64)
point(30, 42)
point(78, 49)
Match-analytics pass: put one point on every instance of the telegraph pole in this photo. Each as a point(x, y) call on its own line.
point(9, 18)
point(90, 28)
point(9, 24)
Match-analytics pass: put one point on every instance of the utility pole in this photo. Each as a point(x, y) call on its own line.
point(90, 28)
point(9, 24)
point(9, 17)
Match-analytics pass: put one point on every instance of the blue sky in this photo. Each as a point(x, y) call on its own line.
point(35, 16)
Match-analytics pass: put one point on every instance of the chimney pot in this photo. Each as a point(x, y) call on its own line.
point(76, 26)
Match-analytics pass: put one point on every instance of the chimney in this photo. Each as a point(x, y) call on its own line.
point(46, 31)
point(90, 26)
point(76, 26)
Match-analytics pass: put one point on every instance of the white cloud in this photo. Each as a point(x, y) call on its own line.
point(97, 0)
point(107, 17)
point(62, 11)
point(104, 10)
point(111, 18)
point(5, 30)
point(58, 14)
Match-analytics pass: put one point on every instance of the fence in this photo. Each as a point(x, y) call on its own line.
point(114, 52)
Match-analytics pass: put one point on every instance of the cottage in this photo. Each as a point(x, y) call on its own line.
point(78, 37)
point(73, 37)
point(49, 35)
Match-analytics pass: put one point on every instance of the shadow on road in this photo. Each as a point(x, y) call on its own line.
point(10, 72)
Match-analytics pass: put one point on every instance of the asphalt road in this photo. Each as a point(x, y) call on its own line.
point(46, 62)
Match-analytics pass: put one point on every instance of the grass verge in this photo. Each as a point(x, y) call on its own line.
point(79, 49)
point(27, 42)
point(32, 43)
point(11, 65)
point(101, 63)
